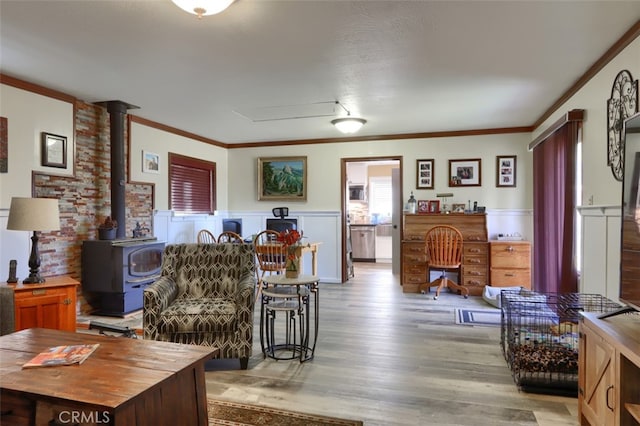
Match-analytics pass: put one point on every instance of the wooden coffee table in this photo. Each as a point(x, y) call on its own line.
point(124, 382)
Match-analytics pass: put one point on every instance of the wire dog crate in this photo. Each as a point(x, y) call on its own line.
point(539, 337)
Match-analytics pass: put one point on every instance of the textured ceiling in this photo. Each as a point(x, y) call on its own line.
point(271, 70)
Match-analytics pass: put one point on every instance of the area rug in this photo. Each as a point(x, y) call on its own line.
point(237, 414)
point(485, 317)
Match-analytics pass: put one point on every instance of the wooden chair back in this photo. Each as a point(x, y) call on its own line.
point(230, 237)
point(270, 253)
point(444, 247)
point(206, 237)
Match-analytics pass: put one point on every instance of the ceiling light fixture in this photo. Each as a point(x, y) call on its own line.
point(203, 7)
point(348, 124)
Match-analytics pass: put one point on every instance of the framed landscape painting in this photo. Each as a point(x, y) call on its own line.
point(282, 178)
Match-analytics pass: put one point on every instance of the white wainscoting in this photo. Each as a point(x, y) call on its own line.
point(317, 226)
point(600, 256)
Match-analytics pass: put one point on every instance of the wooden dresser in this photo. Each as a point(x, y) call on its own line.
point(475, 260)
point(51, 304)
point(510, 263)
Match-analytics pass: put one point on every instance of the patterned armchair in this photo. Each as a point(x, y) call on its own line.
point(205, 296)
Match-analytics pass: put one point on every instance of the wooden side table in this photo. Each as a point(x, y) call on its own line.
point(51, 304)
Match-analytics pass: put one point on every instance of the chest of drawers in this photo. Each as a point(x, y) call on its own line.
point(510, 263)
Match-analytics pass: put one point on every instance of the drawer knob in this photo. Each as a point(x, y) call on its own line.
point(474, 260)
point(509, 249)
point(474, 250)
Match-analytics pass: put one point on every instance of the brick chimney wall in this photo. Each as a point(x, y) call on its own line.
point(85, 198)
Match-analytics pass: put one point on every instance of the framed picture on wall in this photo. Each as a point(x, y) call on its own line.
point(150, 162)
point(506, 171)
point(465, 172)
point(424, 174)
point(54, 150)
point(282, 178)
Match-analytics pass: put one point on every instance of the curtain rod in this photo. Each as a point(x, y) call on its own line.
point(573, 115)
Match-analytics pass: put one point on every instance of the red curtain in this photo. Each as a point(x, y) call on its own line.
point(554, 211)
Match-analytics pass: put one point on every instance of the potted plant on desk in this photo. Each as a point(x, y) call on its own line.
point(107, 229)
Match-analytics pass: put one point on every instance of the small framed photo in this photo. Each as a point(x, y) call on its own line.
point(457, 207)
point(423, 206)
point(465, 172)
point(150, 162)
point(434, 206)
point(54, 150)
point(506, 171)
point(424, 174)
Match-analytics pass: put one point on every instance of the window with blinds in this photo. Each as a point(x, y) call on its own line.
point(192, 185)
point(380, 195)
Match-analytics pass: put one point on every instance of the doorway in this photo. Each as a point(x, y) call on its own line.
point(371, 189)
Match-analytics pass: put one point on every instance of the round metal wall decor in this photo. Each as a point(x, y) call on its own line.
point(622, 104)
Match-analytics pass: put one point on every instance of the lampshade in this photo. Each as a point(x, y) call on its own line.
point(34, 214)
point(203, 7)
point(348, 124)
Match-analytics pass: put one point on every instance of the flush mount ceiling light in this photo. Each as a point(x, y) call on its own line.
point(203, 7)
point(348, 124)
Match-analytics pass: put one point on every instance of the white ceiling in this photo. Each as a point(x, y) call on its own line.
point(405, 66)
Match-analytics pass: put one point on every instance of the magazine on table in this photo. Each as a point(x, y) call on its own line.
point(62, 355)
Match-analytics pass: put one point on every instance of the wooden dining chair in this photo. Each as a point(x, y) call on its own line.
point(444, 253)
point(271, 255)
point(230, 237)
point(206, 237)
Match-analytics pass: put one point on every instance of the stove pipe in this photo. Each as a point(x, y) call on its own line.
point(117, 111)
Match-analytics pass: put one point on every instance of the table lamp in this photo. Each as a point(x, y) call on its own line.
point(34, 214)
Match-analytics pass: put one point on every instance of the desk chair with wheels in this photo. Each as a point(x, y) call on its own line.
point(206, 237)
point(270, 254)
point(444, 252)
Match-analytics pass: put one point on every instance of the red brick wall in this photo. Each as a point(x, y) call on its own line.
point(85, 199)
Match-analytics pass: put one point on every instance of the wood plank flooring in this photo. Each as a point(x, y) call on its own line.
point(391, 359)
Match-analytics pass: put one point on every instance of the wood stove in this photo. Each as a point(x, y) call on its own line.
point(116, 272)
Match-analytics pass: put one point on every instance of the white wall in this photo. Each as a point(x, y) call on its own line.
point(323, 163)
point(161, 142)
point(28, 115)
point(601, 230)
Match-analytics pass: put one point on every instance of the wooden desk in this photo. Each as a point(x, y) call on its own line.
point(124, 382)
point(475, 257)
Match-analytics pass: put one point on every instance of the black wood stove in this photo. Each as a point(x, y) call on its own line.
point(116, 272)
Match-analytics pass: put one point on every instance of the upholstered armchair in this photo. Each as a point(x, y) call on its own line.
point(205, 296)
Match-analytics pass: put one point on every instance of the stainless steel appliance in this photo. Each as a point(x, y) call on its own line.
point(357, 193)
point(363, 242)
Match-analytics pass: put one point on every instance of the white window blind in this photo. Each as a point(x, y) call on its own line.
point(380, 195)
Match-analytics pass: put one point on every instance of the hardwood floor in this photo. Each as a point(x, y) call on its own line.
point(390, 358)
